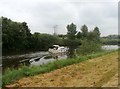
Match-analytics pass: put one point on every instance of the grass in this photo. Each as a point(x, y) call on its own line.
point(106, 77)
point(11, 75)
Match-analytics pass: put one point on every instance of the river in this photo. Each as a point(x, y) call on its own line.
point(110, 47)
point(37, 58)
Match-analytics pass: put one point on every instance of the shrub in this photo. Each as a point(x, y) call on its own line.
point(88, 47)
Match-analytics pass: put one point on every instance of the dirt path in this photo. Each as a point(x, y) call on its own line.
point(95, 72)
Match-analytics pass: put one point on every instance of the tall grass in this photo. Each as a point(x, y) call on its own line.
point(11, 75)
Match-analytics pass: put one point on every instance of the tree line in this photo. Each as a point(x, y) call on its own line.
point(16, 37)
point(83, 41)
point(111, 40)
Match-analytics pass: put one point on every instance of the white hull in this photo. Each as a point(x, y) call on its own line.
point(58, 49)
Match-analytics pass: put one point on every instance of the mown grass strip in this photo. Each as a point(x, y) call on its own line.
point(14, 74)
point(106, 77)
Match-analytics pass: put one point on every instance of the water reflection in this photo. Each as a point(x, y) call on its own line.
point(33, 59)
point(37, 58)
point(16, 61)
point(46, 59)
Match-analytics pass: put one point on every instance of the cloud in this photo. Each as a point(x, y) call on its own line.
point(42, 15)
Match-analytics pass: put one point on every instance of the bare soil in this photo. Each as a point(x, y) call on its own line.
point(101, 71)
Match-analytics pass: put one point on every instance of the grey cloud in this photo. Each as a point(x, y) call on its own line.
point(41, 15)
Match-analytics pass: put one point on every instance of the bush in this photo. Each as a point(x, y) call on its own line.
point(88, 47)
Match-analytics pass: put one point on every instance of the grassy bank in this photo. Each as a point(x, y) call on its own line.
point(13, 74)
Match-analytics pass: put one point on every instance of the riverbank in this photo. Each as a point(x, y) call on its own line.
point(15, 74)
point(96, 72)
point(15, 61)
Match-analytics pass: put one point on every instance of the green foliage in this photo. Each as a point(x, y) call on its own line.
point(112, 36)
point(88, 47)
point(111, 40)
point(71, 31)
point(90, 41)
point(61, 36)
point(16, 37)
point(97, 33)
point(84, 30)
point(79, 35)
point(43, 41)
point(71, 41)
point(94, 35)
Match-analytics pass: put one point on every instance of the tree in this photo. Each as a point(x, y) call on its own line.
point(71, 31)
point(84, 30)
point(72, 42)
point(79, 35)
point(97, 34)
point(27, 35)
point(90, 42)
point(15, 35)
point(42, 42)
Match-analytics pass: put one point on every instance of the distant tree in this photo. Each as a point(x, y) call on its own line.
point(84, 30)
point(43, 41)
point(61, 36)
point(71, 31)
point(113, 36)
point(96, 32)
point(16, 37)
point(111, 40)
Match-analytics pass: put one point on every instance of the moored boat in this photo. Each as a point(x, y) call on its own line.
point(58, 49)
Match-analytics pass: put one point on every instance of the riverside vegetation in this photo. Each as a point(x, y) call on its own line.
point(96, 72)
point(11, 75)
point(17, 38)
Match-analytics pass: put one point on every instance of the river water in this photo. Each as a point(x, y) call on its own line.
point(31, 59)
point(37, 58)
point(110, 47)
point(16, 60)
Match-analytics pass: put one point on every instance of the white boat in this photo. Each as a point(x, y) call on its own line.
point(58, 49)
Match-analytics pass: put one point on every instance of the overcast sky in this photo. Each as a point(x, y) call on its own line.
point(43, 15)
